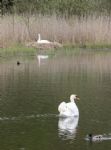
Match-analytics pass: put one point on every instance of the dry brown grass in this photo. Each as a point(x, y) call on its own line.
point(90, 30)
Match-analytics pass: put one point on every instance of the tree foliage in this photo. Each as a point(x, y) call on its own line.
point(60, 7)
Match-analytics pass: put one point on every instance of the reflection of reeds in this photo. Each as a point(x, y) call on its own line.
point(90, 30)
point(84, 62)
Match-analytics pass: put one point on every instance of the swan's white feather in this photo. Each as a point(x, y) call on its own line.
point(68, 109)
point(62, 107)
point(39, 41)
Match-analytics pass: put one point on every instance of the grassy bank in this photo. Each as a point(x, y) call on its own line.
point(81, 32)
point(16, 49)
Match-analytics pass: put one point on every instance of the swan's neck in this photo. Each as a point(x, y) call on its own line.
point(39, 38)
point(72, 100)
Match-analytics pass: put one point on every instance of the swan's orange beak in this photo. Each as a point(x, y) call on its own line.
point(77, 97)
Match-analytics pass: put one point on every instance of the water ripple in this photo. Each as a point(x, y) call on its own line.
point(33, 116)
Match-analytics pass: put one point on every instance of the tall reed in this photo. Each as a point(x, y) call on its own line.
point(86, 30)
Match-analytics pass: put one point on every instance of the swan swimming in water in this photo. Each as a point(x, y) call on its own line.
point(69, 109)
point(39, 41)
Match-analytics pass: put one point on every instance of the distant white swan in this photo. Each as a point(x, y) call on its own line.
point(69, 109)
point(68, 127)
point(39, 41)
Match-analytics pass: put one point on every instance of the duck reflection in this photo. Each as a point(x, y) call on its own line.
point(68, 127)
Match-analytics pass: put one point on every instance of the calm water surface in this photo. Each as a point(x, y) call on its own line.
point(31, 92)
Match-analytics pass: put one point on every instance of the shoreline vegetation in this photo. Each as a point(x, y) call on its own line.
point(85, 32)
point(72, 23)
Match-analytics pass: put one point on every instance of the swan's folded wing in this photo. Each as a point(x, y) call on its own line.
point(72, 108)
point(62, 107)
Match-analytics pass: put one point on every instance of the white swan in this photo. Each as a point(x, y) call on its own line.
point(69, 109)
point(39, 41)
point(68, 127)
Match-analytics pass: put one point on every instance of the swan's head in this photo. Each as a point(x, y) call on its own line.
point(74, 97)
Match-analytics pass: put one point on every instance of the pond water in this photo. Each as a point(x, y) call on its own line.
point(31, 92)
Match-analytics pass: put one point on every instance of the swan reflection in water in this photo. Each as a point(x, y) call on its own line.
point(67, 127)
point(41, 57)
